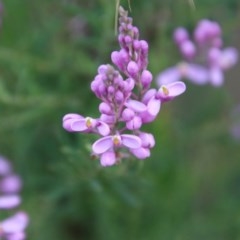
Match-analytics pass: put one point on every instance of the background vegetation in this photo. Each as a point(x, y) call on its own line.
point(188, 189)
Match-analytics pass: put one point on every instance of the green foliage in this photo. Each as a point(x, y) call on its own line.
point(188, 189)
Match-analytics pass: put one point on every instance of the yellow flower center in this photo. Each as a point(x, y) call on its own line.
point(88, 122)
point(165, 90)
point(116, 140)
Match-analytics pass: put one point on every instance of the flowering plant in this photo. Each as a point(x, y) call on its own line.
point(128, 102)
point(13, 227)
point(204, 59)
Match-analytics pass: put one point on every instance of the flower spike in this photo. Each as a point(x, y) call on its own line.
point(127, 101)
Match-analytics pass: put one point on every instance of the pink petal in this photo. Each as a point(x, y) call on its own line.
point(229, 58)
point(102, 145)
point(16, 223)
point(141, 153)
point(17, 236)
point(214, 55)
point(72, 116)
point(107, 118)
point(146, 117)
point(148, 140)
point(216, 77)
point(108, 159)
point(136, 106)
point(131, 141)
point(197, 74)
point(10, 201)
point(103, 128)
point(176, 88)
point(78, 125)
point(68, 119)
point(153, 109)
point(153, 106)
point(169, 75)
point(148, 95)
point(134, 123)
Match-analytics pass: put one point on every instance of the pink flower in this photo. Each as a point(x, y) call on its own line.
point(170, 91)
point(207, 31)
point(13, 227)
point(219, 61)
point(192, 72)
point(153, 99)
point(127, 102)
point(76, 123)
point(153, 108)
point(204, 60)
point(147, 143)
point(115, 141)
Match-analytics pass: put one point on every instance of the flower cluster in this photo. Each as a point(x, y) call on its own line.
point(13, 227)
point(204, 59)
point(127, 101)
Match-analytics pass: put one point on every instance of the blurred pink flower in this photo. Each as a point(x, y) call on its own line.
point(13, 227)
point(9, 201)
point(10, 184)
point(203, 58)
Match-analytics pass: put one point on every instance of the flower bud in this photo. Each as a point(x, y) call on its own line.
point(136, 45)
point(127, 114)
point(141, 153)
point(180, 35)
point(115, 57)
point(127, 39)
point(119, 97)
point(102, 69)
point(105, 108)
point(110, 90)
point(144, 46)
point(107, 118)
point(188, 49)
point(132, 68)
point(146, 78)
point(134, 124)
point(148, 140)
point(129, 84)
point(135, 32)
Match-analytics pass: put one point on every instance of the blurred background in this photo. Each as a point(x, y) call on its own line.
point(190, 186)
